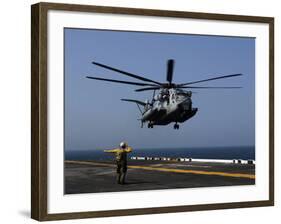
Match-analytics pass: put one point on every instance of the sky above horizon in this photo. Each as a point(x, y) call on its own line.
point(95, 118)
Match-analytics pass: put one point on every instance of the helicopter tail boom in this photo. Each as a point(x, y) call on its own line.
point(137, 102)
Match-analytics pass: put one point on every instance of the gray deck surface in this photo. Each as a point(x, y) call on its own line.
point(100, 176)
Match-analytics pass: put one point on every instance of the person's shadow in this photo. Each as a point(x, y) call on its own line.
point(138, 182)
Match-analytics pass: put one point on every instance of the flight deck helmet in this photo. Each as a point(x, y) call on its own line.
point(123, 145)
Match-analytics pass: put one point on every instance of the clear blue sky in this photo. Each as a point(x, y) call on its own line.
point(95, 118)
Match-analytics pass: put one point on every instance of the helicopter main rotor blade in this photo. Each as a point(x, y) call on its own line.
point(170, 69)
point(135, 101)
point(126, 73)
point(148, 88)
point(119, 81)
point(210, 87)
point(206, 80)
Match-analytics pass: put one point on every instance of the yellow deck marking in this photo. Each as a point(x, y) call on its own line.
point(200, 172)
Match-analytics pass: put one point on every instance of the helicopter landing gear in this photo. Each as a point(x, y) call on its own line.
point(150, 125)
point(176, 126)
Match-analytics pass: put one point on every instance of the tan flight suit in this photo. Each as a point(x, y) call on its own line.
point(121, 162)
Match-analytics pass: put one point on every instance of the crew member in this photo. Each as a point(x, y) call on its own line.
point(121, 160)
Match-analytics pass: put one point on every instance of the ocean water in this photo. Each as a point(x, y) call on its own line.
point(241, 152)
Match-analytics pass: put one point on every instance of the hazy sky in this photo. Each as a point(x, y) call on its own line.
point(95, 118)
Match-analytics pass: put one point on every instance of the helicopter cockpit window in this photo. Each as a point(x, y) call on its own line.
point(160, 97)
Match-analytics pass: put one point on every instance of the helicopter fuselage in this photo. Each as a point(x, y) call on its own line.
point(170, 105)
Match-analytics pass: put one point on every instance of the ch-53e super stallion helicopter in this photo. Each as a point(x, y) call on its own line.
point(171, 104)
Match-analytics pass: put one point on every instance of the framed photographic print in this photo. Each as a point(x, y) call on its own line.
point(139, 111)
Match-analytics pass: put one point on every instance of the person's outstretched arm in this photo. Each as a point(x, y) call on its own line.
point(112, 150)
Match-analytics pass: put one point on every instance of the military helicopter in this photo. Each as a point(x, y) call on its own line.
point(172, 104)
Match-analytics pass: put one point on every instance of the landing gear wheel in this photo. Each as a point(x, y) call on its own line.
point(150, 125)
point(176, 126)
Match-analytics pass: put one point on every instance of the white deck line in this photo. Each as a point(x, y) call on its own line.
point(236, 161)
